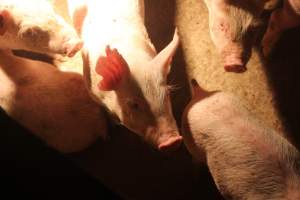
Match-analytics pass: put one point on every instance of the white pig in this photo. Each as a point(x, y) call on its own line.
point(233, 27)
point(130, 79)
point(281, 19)
point(247, 160)
point(37, 27)
point(54, 105)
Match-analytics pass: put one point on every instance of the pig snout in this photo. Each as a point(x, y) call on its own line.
point(164, 140)
point(233, 61)
point(171, 143)
point(72, 47)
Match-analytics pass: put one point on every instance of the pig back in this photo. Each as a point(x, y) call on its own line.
point(114, 22)
point(54, 105)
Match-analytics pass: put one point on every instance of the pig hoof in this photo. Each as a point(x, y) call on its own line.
point(171, 144)
point(235, 68)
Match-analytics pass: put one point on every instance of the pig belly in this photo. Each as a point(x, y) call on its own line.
point(54, 105)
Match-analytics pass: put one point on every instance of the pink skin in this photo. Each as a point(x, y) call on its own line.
point(124, 72)
point(232, 59)
point(53, 105)
point(47, 33)
point(73, 46)
point(246, 159)
point(232, 27)
point(171, 144)
point(281, 20)
point(231, 51)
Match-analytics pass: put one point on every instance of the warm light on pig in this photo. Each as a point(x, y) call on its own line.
point(246, 159)
point(233, 27)
point(123, 70)
point(38, 27)
point(54, 105)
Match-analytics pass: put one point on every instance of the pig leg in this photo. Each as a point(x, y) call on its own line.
point(281, 19)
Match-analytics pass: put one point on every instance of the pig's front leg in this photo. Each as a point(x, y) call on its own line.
point(281, 19)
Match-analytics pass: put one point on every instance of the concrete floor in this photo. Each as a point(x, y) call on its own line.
point(270, 90)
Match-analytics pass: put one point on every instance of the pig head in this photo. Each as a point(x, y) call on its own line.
point(33, 25)
point(136, 94)
point(233, 26)
point(123, 71)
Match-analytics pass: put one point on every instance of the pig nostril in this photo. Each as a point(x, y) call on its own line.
point(170, 144)
point(235, 68)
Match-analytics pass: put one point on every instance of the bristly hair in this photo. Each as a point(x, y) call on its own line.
point(241, 20)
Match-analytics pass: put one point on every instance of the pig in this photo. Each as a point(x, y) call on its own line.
point(281, 19)
point(247, 159)
point(54, 105)
point(122, 70)
point(37, 27)
point(233, 26)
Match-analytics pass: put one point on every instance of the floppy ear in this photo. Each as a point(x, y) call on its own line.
point(199, 92)
point(4, 20)
point(112, 68)
point(164, 58)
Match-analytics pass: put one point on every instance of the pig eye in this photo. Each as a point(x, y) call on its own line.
point(34, 33)
point(134, 105)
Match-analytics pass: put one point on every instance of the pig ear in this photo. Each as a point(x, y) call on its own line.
point(164, 58)
point(4, 18)
point(112, 68)
point(79, 13)
point(199, 92)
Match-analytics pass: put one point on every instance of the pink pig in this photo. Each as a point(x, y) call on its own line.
point(122, 69)
point(54, 105)
point(233, 27)
point(246, 159)
point(34, 26)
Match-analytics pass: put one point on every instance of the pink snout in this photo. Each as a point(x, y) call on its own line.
point(164, 139)
point(233, 63)
point(72, 47)
point(170, 144)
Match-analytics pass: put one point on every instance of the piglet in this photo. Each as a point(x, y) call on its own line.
point(233, 27)
point(281, 19)
point(246, 159)
point(122, 69)
point(34, 26)
point(54, 105)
